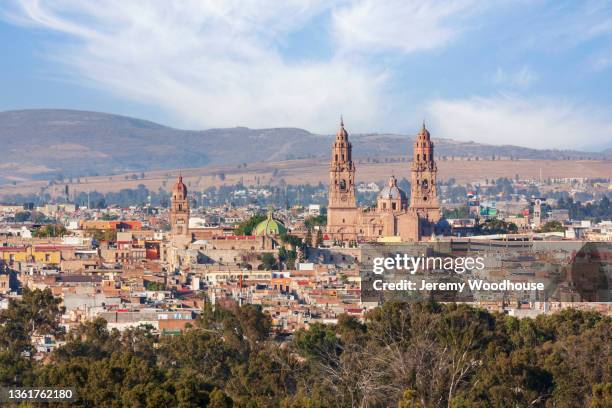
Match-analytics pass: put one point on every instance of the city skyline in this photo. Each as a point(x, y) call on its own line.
point(470, 69)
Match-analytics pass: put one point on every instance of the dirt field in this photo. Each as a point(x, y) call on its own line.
point(314, 171)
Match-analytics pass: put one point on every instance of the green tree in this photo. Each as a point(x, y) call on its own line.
point(218, 399)
point(22, 216)
point(268, 261)
point(319, 242)
point(50, 230)
point(552, 226)
point(308, 238)
point(246, 227)
point(36, 313)
point(319, 220)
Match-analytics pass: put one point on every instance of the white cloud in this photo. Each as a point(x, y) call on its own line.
point(522, 78)
point(510, 119)
point(217, 63)
point(208, 63)
point(401, 25)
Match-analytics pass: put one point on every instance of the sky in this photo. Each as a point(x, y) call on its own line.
point(533, 73)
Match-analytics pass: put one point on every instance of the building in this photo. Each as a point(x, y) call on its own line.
point(393, 215)
point(179, 212)
point(180, 235)
point(270, 226)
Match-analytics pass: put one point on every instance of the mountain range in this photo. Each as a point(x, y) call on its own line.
point(47, 143)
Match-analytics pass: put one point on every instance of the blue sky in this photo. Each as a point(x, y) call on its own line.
point(532, 73)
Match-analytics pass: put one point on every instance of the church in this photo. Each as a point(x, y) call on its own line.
point(393, 216)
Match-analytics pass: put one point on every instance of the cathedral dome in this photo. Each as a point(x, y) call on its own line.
point(392, 191)
point(270, 226)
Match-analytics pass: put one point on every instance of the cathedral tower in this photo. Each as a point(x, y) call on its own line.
point(342, 205)
point(179, 210)
point(424, 192)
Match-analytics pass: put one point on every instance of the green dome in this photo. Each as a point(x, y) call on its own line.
point(270, 226)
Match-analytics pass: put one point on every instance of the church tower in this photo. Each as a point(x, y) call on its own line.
point(342, 205)
point(424, 191)
point(179, 210)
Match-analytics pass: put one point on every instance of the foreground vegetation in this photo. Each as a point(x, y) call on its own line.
point(404, 355)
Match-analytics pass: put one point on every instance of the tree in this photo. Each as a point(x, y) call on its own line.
point(218, 399)
point(401, 355)
point(22, 216)
point(319, 220)
point(319, 242)
point(308, 238)
point(36, 313)
point(268, 261)
point(552, 226)
point(495, 226)
point(50, 230)
point(246, 227)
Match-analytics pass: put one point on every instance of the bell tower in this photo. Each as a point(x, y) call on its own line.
point(342, 172)
point(179, 210)
point(424, 191)
point(342, 205)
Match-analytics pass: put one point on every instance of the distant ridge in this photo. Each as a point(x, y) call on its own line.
point(45, 143)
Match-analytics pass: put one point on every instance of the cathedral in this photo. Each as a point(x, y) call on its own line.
point(393, 216)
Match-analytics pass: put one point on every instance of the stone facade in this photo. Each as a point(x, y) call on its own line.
point(180, 236)
point(179, 210)
point(392, 217)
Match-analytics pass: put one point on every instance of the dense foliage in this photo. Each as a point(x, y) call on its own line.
point(403, 355)
point(50, 230)
point(247, 226)
point(319, 220)
point(595, 211)
point(494, 226)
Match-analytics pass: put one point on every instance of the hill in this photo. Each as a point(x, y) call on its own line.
point(49, 143)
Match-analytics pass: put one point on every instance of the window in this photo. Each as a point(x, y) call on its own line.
point(394, 205)
point(384, 206)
